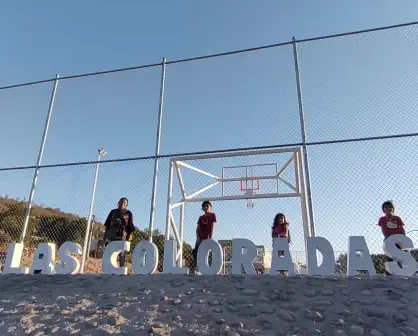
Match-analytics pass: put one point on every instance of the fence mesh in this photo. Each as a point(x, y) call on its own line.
point(360, 85)
point(360, 177)
point(24, 111)
point(242, 100)
point(62, 202)
point(14, 186)
point(116, 111)
point(355, 86)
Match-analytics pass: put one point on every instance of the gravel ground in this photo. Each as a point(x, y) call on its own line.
point(207, 305)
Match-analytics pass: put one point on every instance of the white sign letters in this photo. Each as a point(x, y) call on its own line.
point(244, 252)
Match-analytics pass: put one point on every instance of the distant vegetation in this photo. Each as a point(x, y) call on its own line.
point(378, 261)
point(55, 226)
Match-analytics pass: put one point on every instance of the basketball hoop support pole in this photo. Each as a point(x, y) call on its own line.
point(304, 147)
point(180, 200)
point(169, 195)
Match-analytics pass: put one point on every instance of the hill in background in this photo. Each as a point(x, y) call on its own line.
point(55, 226)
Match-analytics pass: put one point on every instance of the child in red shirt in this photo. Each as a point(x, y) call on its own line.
point(280, 229)
point(390, 224)
point(204, 230)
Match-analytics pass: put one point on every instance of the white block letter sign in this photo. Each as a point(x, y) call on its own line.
point(281, 263)
point(145, 258)
point(203, 256)
point(409, 264)
point(170, 253)
point(359, 258)
point(322, 245)
point(243, 261)
point(13, 258)
point(44, 259)
point(110, 257)
point(69, 263)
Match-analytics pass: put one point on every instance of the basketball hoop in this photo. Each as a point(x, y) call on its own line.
point(250, 202)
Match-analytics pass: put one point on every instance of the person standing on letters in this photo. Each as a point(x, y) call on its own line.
point(390, 224)
point(204, 230)
point(280, 229)
point(119, 226)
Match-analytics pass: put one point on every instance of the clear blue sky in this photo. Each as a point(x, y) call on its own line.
point(352, 86)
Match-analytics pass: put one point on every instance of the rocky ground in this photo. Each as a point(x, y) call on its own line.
point(207, 305)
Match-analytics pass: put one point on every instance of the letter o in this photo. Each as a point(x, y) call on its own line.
point(147, 252)
point(203, 256)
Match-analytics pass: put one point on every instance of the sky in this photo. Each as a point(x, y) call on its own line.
point(353, 86)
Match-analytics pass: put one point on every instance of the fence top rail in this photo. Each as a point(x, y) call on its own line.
point(184, 156)
point(212, 55)
point(222, 152)
point(209, 156)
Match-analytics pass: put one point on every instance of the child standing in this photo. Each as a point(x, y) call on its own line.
point(390, 224)
point(119, 226)
point(280, 229)
point(204, 230)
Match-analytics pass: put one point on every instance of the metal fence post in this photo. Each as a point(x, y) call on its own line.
point(86, 244)
point(303, 133)
point(157, 152)
point(93, 219)
point(39, 161)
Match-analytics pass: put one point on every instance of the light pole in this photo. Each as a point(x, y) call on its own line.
point(101, 152)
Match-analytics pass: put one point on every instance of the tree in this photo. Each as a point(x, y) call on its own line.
point(11, 222)
point(52, 225)
point(187, 254)
point(341, 264)
point(379, 262)
point(62, 229)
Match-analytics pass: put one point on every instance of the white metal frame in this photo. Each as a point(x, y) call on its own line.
point(176, 163)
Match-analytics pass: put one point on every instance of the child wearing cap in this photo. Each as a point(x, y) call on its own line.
point(204, 230)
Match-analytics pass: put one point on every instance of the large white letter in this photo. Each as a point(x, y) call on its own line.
point(203, 256)
point(328, 260)
point(13, 258)
point(44, 259)
point(243, 261)
point(145, 258)
point(69, 263)
point(170, 253)
point(359, 256)
point(110, 257)
point(409, 264)
point(281, 263)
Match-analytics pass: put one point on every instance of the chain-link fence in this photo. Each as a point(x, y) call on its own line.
point(355, 115)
